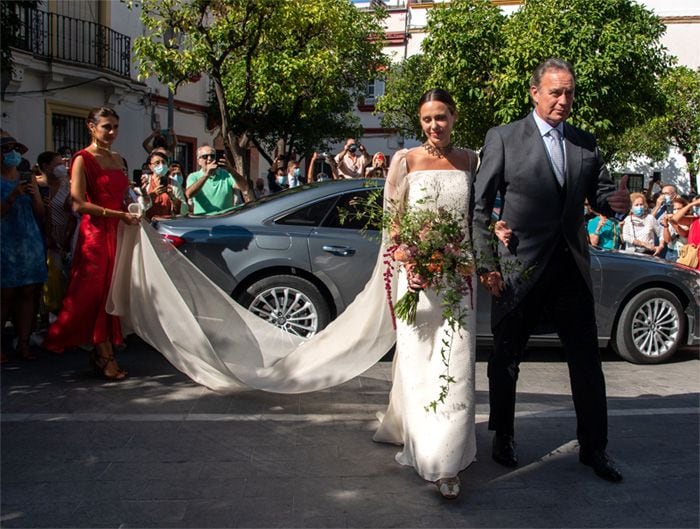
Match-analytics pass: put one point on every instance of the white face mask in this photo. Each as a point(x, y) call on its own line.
point(60, 171)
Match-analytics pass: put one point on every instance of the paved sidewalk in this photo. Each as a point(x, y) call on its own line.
point(159, 451)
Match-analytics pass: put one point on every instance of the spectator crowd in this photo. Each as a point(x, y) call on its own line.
point(42, 209)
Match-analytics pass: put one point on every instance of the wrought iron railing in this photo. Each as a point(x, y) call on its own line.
point(73, 40)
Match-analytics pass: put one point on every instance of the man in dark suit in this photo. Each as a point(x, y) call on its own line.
point(544, 169)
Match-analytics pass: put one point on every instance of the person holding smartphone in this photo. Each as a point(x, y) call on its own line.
point(164, 202)
point(23, 261)
point(212, 189)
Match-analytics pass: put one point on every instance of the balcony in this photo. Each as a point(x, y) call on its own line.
point(58, 37)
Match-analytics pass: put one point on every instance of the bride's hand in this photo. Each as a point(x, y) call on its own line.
point(416, 282)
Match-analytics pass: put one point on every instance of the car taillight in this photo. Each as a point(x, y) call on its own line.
point(174, 240)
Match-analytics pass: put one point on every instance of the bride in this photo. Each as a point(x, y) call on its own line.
point(221, 345)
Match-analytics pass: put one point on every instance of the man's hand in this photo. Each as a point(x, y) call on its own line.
point(211, 166)
point(493, 283)
point(619, 201)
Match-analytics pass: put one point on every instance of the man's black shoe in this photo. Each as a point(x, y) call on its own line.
point(503, 450)
point(602, 465)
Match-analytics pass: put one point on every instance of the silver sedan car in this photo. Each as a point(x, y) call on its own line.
point(289, 259)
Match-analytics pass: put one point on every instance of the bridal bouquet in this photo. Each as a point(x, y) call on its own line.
point(431, 245)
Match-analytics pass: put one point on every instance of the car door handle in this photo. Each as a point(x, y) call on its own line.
point(339, 250)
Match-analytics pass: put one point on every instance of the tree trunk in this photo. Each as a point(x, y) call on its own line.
point(234, 146)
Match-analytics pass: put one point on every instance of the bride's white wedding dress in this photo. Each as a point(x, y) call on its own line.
point(161, 296)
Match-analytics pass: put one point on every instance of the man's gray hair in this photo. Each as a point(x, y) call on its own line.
point(203, 146)
point(550, 64)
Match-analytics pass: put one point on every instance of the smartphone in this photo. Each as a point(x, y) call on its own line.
point(163, 180)
point(25, 177)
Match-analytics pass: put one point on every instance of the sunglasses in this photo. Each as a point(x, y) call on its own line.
point(210, 156)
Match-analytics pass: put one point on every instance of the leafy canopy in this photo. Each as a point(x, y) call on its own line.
point(485, 59)
point(281, 69)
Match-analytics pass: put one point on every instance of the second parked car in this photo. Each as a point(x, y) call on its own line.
point(289, 259)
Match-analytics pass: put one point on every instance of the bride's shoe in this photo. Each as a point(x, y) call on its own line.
point(448, 487)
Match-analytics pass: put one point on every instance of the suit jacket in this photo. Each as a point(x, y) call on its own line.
point(514, 163)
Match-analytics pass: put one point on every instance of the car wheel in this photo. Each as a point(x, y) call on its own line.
point(289, 302)
point(650, 328)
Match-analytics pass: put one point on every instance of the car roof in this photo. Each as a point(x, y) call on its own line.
point(277, 203)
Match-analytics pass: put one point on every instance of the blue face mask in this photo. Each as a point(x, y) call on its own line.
point(161, 169)
point(282, 180)
point(297, 172)
point(177, 178)
point(11, 159)
point(638, 210)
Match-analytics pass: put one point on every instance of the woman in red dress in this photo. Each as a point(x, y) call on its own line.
point(99, 183)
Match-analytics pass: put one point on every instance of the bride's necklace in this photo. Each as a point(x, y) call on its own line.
point(437, 152)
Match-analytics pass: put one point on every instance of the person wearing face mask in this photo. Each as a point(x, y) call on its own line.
point(176, 181)
point(164, 202)
point(22, 259)
point(640, 229)
point(352, 160)
point(281, 180)
point(688, 219)
point(294, 174)
point(58, 228)
point(664, 202)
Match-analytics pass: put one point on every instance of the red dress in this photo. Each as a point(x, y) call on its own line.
point(82, 318)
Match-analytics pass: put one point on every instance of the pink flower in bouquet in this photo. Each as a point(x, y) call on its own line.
point(405, 253)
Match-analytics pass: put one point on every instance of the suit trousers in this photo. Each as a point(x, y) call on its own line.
point(562, 295)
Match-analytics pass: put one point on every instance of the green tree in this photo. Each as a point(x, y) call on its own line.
point(287, 70)
point(614, 46)
point(486, 59)
point(459, 54)
point(678, 126)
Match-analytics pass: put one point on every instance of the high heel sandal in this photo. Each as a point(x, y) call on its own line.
point(100, 363)
point(448, 487)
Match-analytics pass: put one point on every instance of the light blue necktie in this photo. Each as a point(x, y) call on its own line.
point(557, 154)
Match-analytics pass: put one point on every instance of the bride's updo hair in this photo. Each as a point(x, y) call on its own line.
point(438, 94)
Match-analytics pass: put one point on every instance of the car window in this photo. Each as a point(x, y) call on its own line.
point(310, 215)
point(347, 202)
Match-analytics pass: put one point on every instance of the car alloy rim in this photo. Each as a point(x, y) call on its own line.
point(288, 309)
point(655, 327)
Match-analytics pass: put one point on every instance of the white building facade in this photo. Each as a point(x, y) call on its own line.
point(77, 54)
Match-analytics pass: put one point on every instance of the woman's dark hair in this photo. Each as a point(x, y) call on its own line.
point(438, 94)
point(100, 112)
point(45, 158)
point(158, 154)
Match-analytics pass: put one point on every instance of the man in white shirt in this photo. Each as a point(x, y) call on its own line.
point(352, 160)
